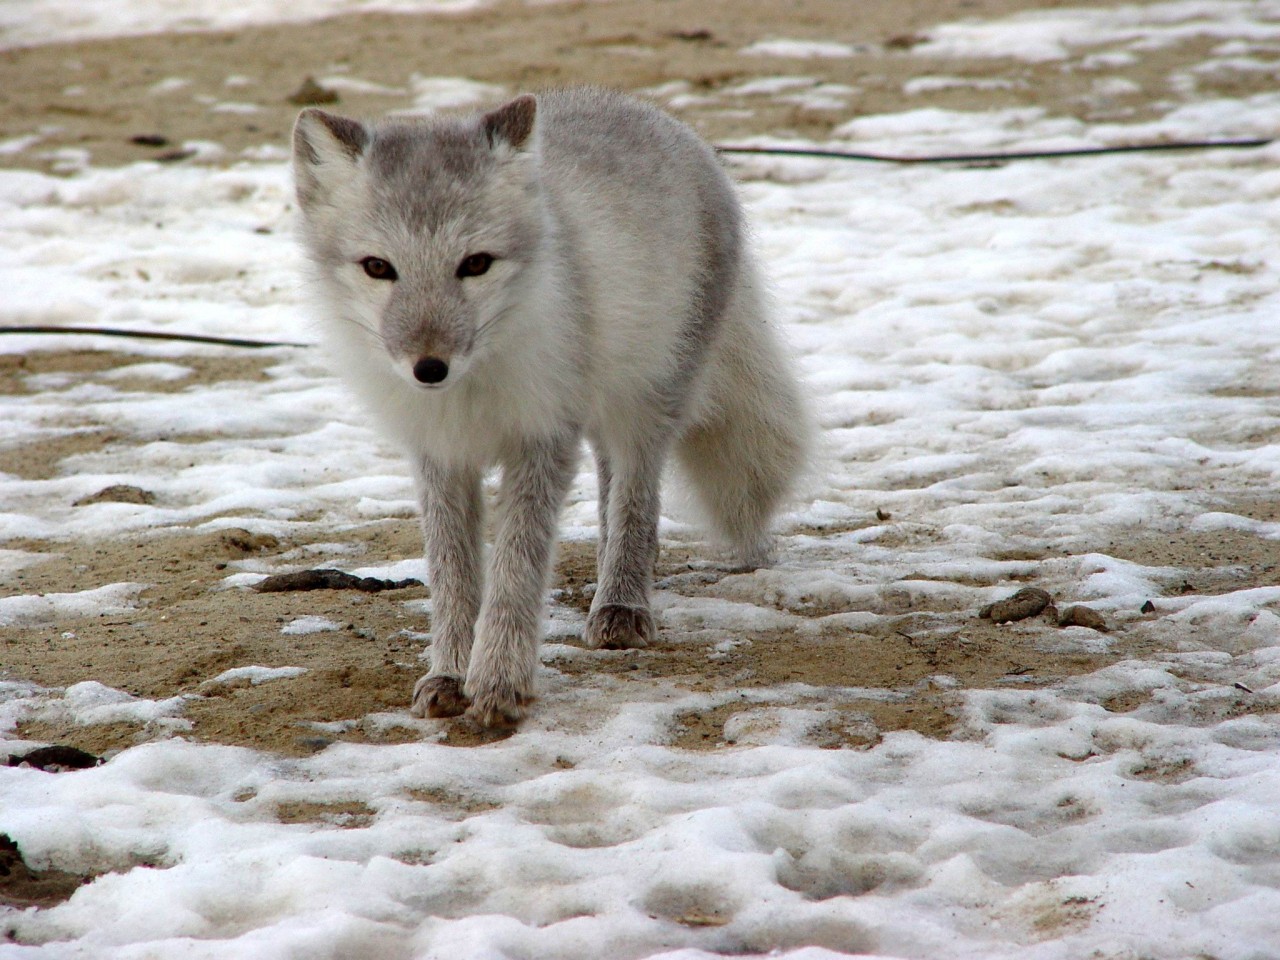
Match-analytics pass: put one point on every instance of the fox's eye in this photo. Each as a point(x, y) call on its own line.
point(378, 269)
point(475, 265)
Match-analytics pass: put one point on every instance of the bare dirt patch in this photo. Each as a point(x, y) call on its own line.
point(145, 98)
point(22, 887)
point(1207, 562)
point(187, 631)
point(350, 814)
point(18, 370)
point(39, 461)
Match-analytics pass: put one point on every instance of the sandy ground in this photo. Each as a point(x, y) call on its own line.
point(175, 88)
point(97, 96)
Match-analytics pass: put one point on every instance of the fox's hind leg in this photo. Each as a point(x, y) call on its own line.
point(629, 484)
point(451, 516)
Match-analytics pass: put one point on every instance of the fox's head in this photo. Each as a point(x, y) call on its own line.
point(422, 228)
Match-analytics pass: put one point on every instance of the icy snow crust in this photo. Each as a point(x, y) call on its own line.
point(1050, 34)
point(25, 22)
point(1030, 357)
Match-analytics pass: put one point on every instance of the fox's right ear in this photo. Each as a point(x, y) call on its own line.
point(325, 150)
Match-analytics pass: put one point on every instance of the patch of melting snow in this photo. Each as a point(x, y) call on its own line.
point(299, 626)
point(49, 609)
point(257, 675)
point(24, 22)
point(799, 49)
point(1046, 35)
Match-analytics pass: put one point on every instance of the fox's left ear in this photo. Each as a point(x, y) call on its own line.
point(512, 123)
point(325, 150)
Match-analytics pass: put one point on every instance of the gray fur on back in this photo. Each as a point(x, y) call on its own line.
point(597, 136)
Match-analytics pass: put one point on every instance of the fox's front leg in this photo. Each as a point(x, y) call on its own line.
point(451, 516)
point(500, 677)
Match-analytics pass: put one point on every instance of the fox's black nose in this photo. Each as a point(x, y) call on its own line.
point(430, 370)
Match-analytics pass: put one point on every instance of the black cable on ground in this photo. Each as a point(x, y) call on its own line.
point(155, 335)
point(757, 151)
point(998, 157)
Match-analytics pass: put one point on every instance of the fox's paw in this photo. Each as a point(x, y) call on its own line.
point(615, 627)
point(438, 696)
point(497, 707)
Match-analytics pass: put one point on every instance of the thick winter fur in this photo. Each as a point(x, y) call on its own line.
point(613, 299)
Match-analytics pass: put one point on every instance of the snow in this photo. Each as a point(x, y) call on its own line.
point(26, 22)
point(49, 608)
point(256, 675)
point(303, 625)
point(1030, 359)
point(90, 702)
point(1045, 35)
point(799, 49)
point(447, 93)
point(429, 92)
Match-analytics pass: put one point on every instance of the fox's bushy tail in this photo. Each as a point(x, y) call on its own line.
point(750, 442)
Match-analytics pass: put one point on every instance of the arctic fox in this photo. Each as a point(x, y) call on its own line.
point(498, 287)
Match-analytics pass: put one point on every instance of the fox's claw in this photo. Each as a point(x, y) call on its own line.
point(438, 697)
point(615, 627)
point(497, 708)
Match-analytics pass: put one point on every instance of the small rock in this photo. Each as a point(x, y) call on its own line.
point(1148, 607)
point(315, 744)
point(149, 140)
point(55, 759)
point(239, 540)
point(175, 156)
point(118, 493)
point(311, 93)
point(905, 41)
point(692, 36)
point(1027, 602)
point(1081, 616)
point(326, 579)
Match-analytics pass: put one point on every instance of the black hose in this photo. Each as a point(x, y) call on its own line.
point(758, 151)
point(998, 157)
point(155, 335)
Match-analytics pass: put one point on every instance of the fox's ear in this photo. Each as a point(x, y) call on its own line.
point(512, 123)
point(325, 149)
